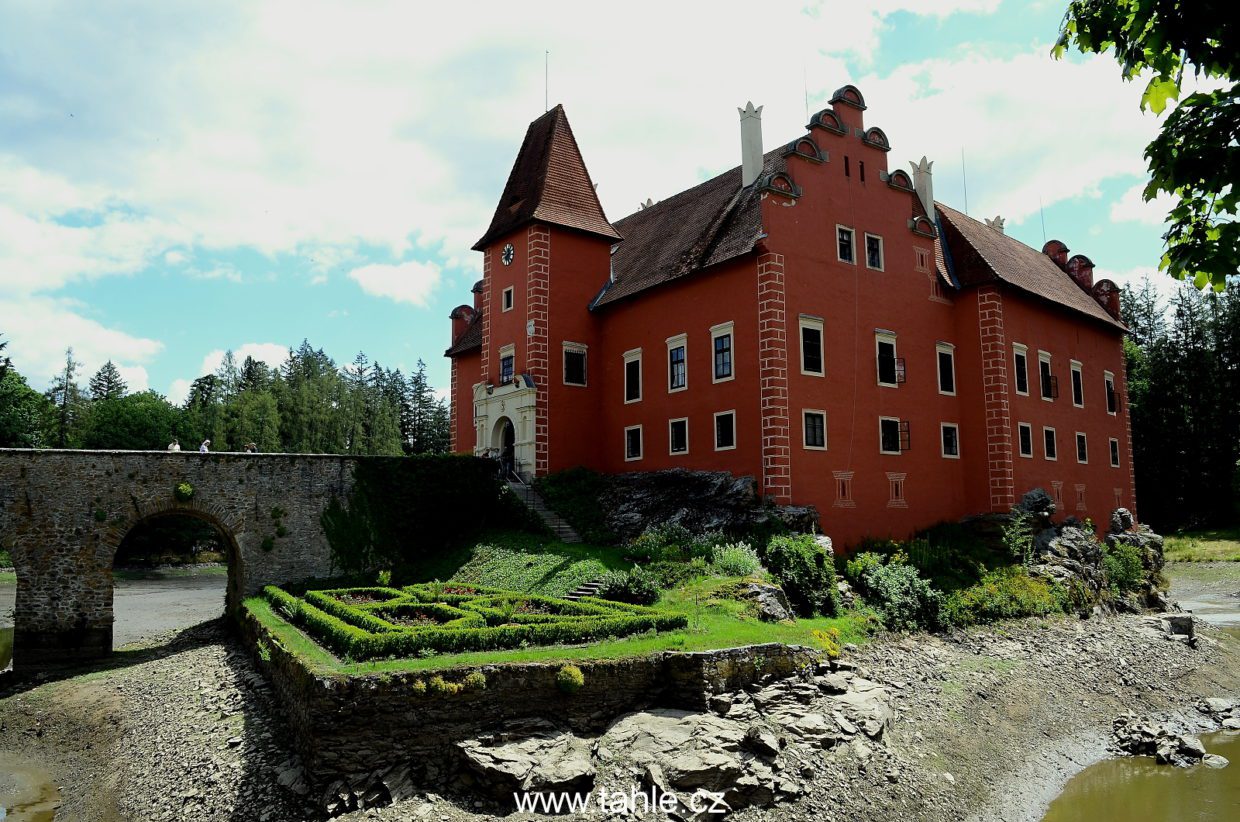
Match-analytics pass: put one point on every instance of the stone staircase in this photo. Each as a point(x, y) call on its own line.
point(558, 525)
point(586, 589)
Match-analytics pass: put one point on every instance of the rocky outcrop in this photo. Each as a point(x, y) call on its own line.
point(699, 500)
point(771, 601)
point(1142, 737)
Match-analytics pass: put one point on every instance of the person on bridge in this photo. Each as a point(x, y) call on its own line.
point(251, 448)
point(175, 445)
point(205, 447)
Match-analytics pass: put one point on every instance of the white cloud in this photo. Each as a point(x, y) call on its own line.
point(1132, 208)
point(178, 391)
point(41, 328)
point(273, 354)
point(135, 377)
point(1164, 285)
point(408, 282)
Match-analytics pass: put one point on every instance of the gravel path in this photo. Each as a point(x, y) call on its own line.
point(990, 723)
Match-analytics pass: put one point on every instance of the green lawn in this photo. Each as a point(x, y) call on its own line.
point(714, 622)
point(1204, 545)
point(8, 578)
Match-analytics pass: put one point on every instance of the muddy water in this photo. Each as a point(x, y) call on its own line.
point(27, 793)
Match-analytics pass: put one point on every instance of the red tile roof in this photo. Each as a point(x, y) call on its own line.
point(981, 254)
point(470, 339)
point(549, 183)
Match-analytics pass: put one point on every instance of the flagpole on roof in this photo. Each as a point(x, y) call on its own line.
point(547, 80)
point(964, 176)
point(1042, 214)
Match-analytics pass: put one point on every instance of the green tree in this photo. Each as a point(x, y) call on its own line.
point(5, 362)
point(22, 411)
point(203, 417)
point(107, 384)
point(68, 405)
point(1195, 157)
point(252, 416)
point(136, 422)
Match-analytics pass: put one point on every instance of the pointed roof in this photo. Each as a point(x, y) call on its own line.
point(549, 183)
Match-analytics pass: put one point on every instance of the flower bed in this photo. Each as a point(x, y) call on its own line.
point(379, 622)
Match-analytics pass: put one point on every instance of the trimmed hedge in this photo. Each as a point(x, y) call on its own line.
point(483, 621)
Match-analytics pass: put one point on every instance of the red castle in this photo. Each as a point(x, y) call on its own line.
point(812, 318)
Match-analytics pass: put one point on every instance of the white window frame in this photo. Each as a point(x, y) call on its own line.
point(950, 350)
point(629, 356)
point(508, 296)
point(641, 443)
point(679, 341)
point(1022, 351)
point(1029, 427)
point(943, 426)
point(882, 252)
point(807, 321)
point(717, 331)
point(1045, 357)
point(853, 232)
point(576, 348)
point(805, 430)
point(509, 350)
point(1113, 451)
point(1055, 436)
point(897, 421)
point(1075, 373)
point(1076, 444)
point(715, 430)
point(1109, 378)
point(886, 336)
point(670, 423)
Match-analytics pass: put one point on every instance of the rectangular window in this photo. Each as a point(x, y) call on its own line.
point(678, 436)
point(895, 486)
point(1114, 453)
point(725, 430)
point(1025, 434)
point(843, 489)
point(1020, 359)
point(951, 440)
point(947, 368)
point(844, 241)
point(506, 303)
point(874, 252)
point(574, 364)
point(1112, 399)
point(1048, 444)
point(861, 170)
point(507, 364)
point(1080, 497)
point(1082, 448)
point(921, 260)
point(1048, 383)
point(633, 375)
point(677, 369)
point(721, 346)
point(814, 425)
point(1078, 386)
point(1057, 493)
point(632, 443)
point(811, 346)
point(889, 435)
point(885, 351)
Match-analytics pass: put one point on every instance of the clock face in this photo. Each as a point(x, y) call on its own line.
point(507, 254)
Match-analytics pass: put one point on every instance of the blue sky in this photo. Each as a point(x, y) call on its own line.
point(181, 179)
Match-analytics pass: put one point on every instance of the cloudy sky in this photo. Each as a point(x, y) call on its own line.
point(177, 179)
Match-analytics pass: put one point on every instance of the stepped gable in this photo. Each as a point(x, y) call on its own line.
point(980, 254)
point(549, 183)
point(708, 224)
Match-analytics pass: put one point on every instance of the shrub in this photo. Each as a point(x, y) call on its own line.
point(637, 587)
point(1123, 566)
point(383, 578)
point(704, 545)
point(669, 574)
point(183, 492)
point(669, 541)
point(1018, 535)
point(829, 640)
point(903, 599)
point(805, 572)
point(419, 688)
point(438, 685)
point(857, 566)
point(570, 679)
point(475, 681)
point(1003, 593)
point(736, 559)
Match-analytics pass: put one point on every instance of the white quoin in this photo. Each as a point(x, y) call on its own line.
point(924, 185)
point(751, 143)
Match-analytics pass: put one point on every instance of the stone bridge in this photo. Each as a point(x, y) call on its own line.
point(64, 513)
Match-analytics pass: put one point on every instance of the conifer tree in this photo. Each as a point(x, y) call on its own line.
point(107, 384)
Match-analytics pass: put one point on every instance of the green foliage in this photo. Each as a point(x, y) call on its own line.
point(101, 515)
point(184, 492)
point(570, 679)
point(383, 578)
point(805, 571)
point(737, 559)
point(1124, 570)
point(1018, 535)
point(1004, 593)
point(376, 622)
point(637, 586)
point(268, 544)
point(904, 600)
point(107, 384)
point(1193, 157)
point(137, 422)
point(574, 495)
point(22, 412)
point(667, 541)
point(444, 497)
point(475, 681)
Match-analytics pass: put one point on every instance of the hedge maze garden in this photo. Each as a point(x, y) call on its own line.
point(382, 622)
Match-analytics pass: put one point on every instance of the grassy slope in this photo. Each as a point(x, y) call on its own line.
point(1204, 546)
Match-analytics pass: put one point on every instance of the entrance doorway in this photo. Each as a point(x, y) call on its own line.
point(504, 441)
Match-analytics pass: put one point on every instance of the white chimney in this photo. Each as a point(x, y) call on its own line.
point(751, 143)
point(923, 185)
point(996, 223)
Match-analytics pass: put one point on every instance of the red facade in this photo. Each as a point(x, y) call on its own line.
point(826, 327)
